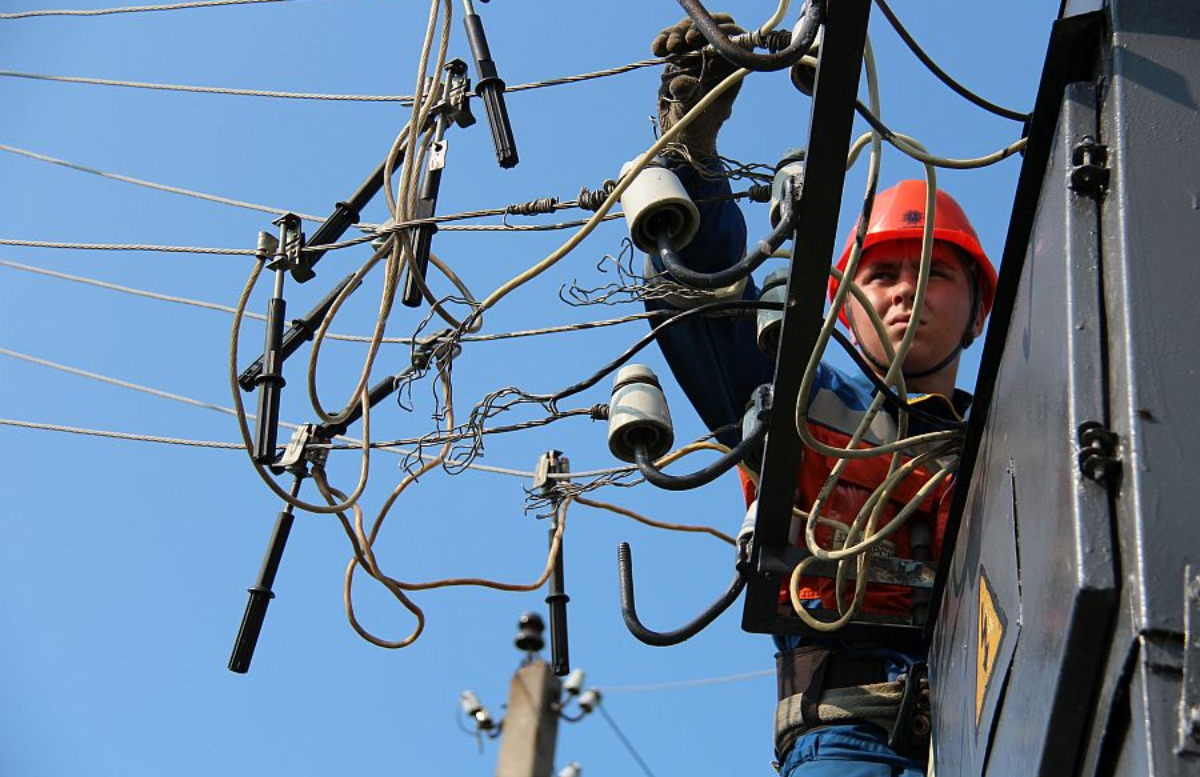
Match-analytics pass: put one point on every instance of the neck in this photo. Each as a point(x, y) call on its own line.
point(940, 382)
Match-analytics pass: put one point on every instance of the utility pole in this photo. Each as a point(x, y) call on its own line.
point(536, 701)
point(530, 731)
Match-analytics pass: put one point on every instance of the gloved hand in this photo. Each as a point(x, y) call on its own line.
point(688, 79)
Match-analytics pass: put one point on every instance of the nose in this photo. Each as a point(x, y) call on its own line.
point(905, 288)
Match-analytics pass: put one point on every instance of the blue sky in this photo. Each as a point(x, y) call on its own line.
point(124, 565)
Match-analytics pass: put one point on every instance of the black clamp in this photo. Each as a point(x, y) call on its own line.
point(1089, 166)
point(1097, 453)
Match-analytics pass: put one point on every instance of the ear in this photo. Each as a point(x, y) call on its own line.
point(977, 324)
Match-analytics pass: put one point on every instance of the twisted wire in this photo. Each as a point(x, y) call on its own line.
point(158, 186)
point(127, 247)
point(134, 9)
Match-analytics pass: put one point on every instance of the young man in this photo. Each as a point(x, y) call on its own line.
point(823, 726)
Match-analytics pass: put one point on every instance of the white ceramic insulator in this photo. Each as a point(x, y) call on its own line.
point(770, 322)
point(638, 414)
point(792, 164)
point(656, 197)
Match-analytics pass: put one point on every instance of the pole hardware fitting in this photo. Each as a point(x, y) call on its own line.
point(1089, 167)
point(458, 94)
point(550, 463)
point(1097, 453)
point(1189, 702)
point(287, 253)
point(299, 454)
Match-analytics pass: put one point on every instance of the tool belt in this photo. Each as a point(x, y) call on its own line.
point(819, 686)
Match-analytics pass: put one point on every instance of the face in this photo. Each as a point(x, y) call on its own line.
point(887, 275)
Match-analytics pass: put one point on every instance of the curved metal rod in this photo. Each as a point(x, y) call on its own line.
point(720, 279)
point(668, 638)
point(655, 476)
point(732, 274)
point(802, 39)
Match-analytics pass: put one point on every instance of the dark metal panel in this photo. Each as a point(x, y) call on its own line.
point(1152, 273)
point(1151, 230)
point(1068, 581)
point(1036, 537)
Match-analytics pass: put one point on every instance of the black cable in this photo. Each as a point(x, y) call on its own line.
point(711, 307)
point(734, 273)
point(942, 75)
point(628, 745)
point(810, 23)
point(890, 398)
point(704, 476)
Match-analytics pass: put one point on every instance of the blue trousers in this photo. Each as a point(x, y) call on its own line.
point(858, 750)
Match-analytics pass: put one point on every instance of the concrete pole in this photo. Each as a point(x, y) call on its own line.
point(530, 730)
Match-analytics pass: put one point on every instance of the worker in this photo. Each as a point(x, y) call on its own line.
point(823, 681)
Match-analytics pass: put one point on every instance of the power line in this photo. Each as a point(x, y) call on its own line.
point(158, 186)
point(127, 247)
point(685, 684)
point(401, 99)
point(134, 9)
point(560, 329)
point(625, 741)
point(119, 435)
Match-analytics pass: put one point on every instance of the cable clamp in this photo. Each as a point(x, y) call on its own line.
point(296, 454)
point(1097, 453)
point(1089, 167)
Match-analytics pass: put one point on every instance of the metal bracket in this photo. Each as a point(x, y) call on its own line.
point(549, 463)
point(1189, 702)
point(1089, 167)
point(1097, 453)
point(290, 244)
point(458, 94)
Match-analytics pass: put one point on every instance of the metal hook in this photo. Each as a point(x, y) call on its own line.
point(668, 638)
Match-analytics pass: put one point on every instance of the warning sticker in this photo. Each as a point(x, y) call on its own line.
point(991, 632)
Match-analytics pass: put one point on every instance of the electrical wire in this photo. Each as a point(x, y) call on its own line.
point(624, 740)
point(401, 99)
point(680, 685)
point(158, 186)
point(941, 74)
point(134, 9)
point(126, 247)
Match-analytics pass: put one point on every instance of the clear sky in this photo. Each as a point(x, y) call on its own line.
point(123, 565)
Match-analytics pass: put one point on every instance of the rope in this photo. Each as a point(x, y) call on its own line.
point(134, 9)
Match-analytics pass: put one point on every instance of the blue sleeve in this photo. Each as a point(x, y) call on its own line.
point(715, 360)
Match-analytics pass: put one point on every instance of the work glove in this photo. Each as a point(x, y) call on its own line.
point(686, 80)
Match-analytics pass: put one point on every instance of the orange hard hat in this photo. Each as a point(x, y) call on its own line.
point(899, 214)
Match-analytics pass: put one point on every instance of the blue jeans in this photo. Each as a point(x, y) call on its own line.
point(858, 750)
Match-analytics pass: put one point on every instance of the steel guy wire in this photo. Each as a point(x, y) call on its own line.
point(549, 330)
point(401, 99)
point(127, 247)
point(158, 186)
point(135, 9)
point(220, 409)
point(686, 684)
point(119, 435)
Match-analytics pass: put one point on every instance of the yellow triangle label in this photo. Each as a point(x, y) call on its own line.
point(991, 631)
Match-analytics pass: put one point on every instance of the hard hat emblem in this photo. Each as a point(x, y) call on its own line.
point(913, 217)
